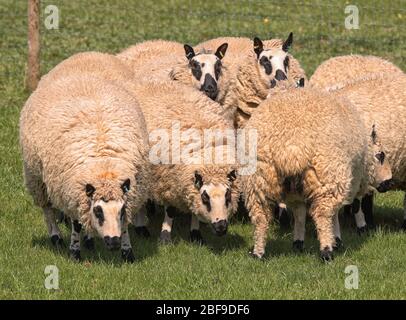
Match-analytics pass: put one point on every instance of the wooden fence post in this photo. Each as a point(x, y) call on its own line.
point(33, 67)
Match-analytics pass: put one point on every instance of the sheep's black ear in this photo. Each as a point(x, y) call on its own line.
point(190, 53)
point(287, 44)
point(232, 175)
point(221, 51)
point(90, 190)
point(373, 134)
point(126, 186)
point(198, 180)
point(301, 83)
point(258, 46)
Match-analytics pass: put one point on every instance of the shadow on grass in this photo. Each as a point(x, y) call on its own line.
point(142, 248)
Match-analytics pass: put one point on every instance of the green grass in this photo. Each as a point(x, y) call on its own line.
point(222, 269)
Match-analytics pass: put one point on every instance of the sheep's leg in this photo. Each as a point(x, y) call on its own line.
point(195, 234)
point(75, 240)
point(322, 213)
point(299, 230)
point(166, 230)
point(52, 226)
point(283, 215)
point(367, 206)
point(337, 232)
point(260, 218)
point(359, 216)
point(126, 248)
point(140, 223)
point(404, 209)
point(88, 241)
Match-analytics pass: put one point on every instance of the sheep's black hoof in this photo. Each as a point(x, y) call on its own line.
point(127, 255)
point(255, 255)
point(57, 241)
point(404, 225)
point(88, 243)
point(196, 237)
point(298, 245)
point(75, 255)
point(326, 255)
point(362, 230)
point(165, 237)
point(142, 231)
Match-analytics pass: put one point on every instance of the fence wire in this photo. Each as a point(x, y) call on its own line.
point(112, 25)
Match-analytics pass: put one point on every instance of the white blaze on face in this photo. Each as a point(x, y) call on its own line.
point(270, 61)
point(217, 209)
point(208, 64)
point(107, 217)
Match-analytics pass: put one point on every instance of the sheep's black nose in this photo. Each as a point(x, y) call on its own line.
point(220, 227)
point(209, 86)
point(385, 185)
point(112, 243)
point(280, 75)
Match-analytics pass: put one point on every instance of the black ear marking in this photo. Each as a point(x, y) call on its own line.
point(90, 190)
point(288, 43)
point(232, 175)
point(126, 185)
point(190, 53)
point(198, 180)
point(258, 46)
point(373, 134)
point(221, 51)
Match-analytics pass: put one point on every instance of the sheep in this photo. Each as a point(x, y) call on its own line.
point(338, 70)
point(381, 99)
point(321, 166)
point(85, 152)
point(266, 63)
point(164, 60)
point(208, 191)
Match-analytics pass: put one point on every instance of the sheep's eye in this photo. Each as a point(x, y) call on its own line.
point(228, 197)
point(98, 212)
point(206, 200)
point(286, 63)
point(217, 69)
point(380, 157)
point(266, 63)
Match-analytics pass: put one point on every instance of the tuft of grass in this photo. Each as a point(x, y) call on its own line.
point(222, 269)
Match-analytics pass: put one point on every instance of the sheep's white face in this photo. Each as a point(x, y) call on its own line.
point(382, 172)
point(206, 69)
point(273, 63)
point(108, 216)
point(214, 204)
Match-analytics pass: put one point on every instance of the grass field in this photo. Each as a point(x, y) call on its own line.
point(221, 269)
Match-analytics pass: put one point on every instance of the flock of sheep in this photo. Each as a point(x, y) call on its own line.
point(322, 144)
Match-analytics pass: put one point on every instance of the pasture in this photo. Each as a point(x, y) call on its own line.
point(221, 269)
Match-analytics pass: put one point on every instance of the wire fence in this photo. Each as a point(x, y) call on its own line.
point(111, 25)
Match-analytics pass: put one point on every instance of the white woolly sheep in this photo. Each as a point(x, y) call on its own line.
point(85, 150)
point(208, 191)
point(255, 72)
point(166, 60)
point(381, 100)
point(339, 70)
point(321, 166)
